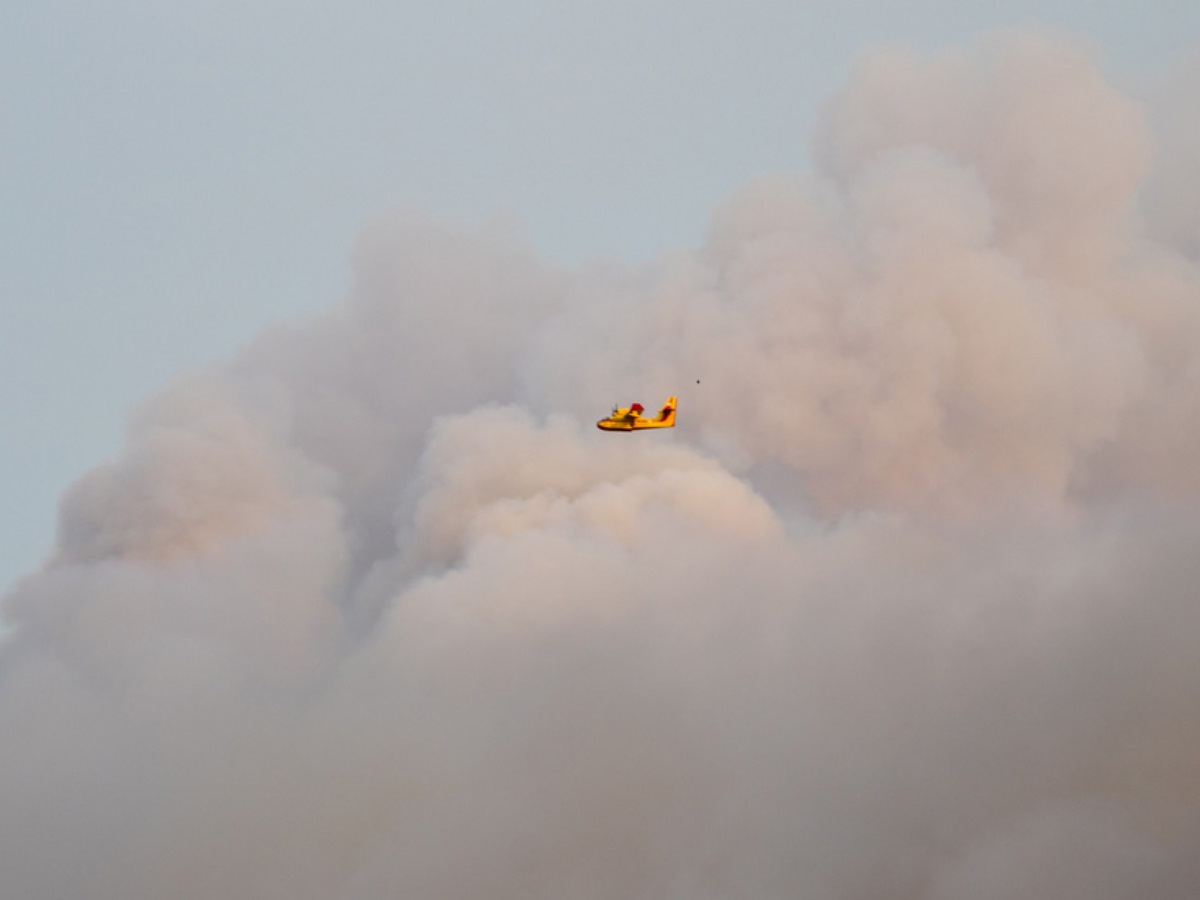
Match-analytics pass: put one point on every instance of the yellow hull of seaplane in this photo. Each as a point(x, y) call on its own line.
point(631, 418)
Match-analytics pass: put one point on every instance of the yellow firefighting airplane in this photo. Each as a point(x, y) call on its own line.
point(631, 419)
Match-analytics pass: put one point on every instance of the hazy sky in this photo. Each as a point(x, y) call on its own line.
point(173, 176)
point(362, 606)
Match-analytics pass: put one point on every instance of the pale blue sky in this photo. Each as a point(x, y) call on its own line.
point(175, 176)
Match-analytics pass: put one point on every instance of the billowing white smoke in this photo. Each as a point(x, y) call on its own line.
point(905, 608)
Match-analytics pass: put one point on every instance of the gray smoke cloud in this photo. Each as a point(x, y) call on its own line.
point(904, 608)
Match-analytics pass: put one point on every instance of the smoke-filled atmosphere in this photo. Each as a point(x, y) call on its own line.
point(905, 607)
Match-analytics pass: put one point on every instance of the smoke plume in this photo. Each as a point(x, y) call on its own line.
point(905, 607)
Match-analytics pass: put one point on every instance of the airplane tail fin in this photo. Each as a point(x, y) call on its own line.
point(667, 415)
